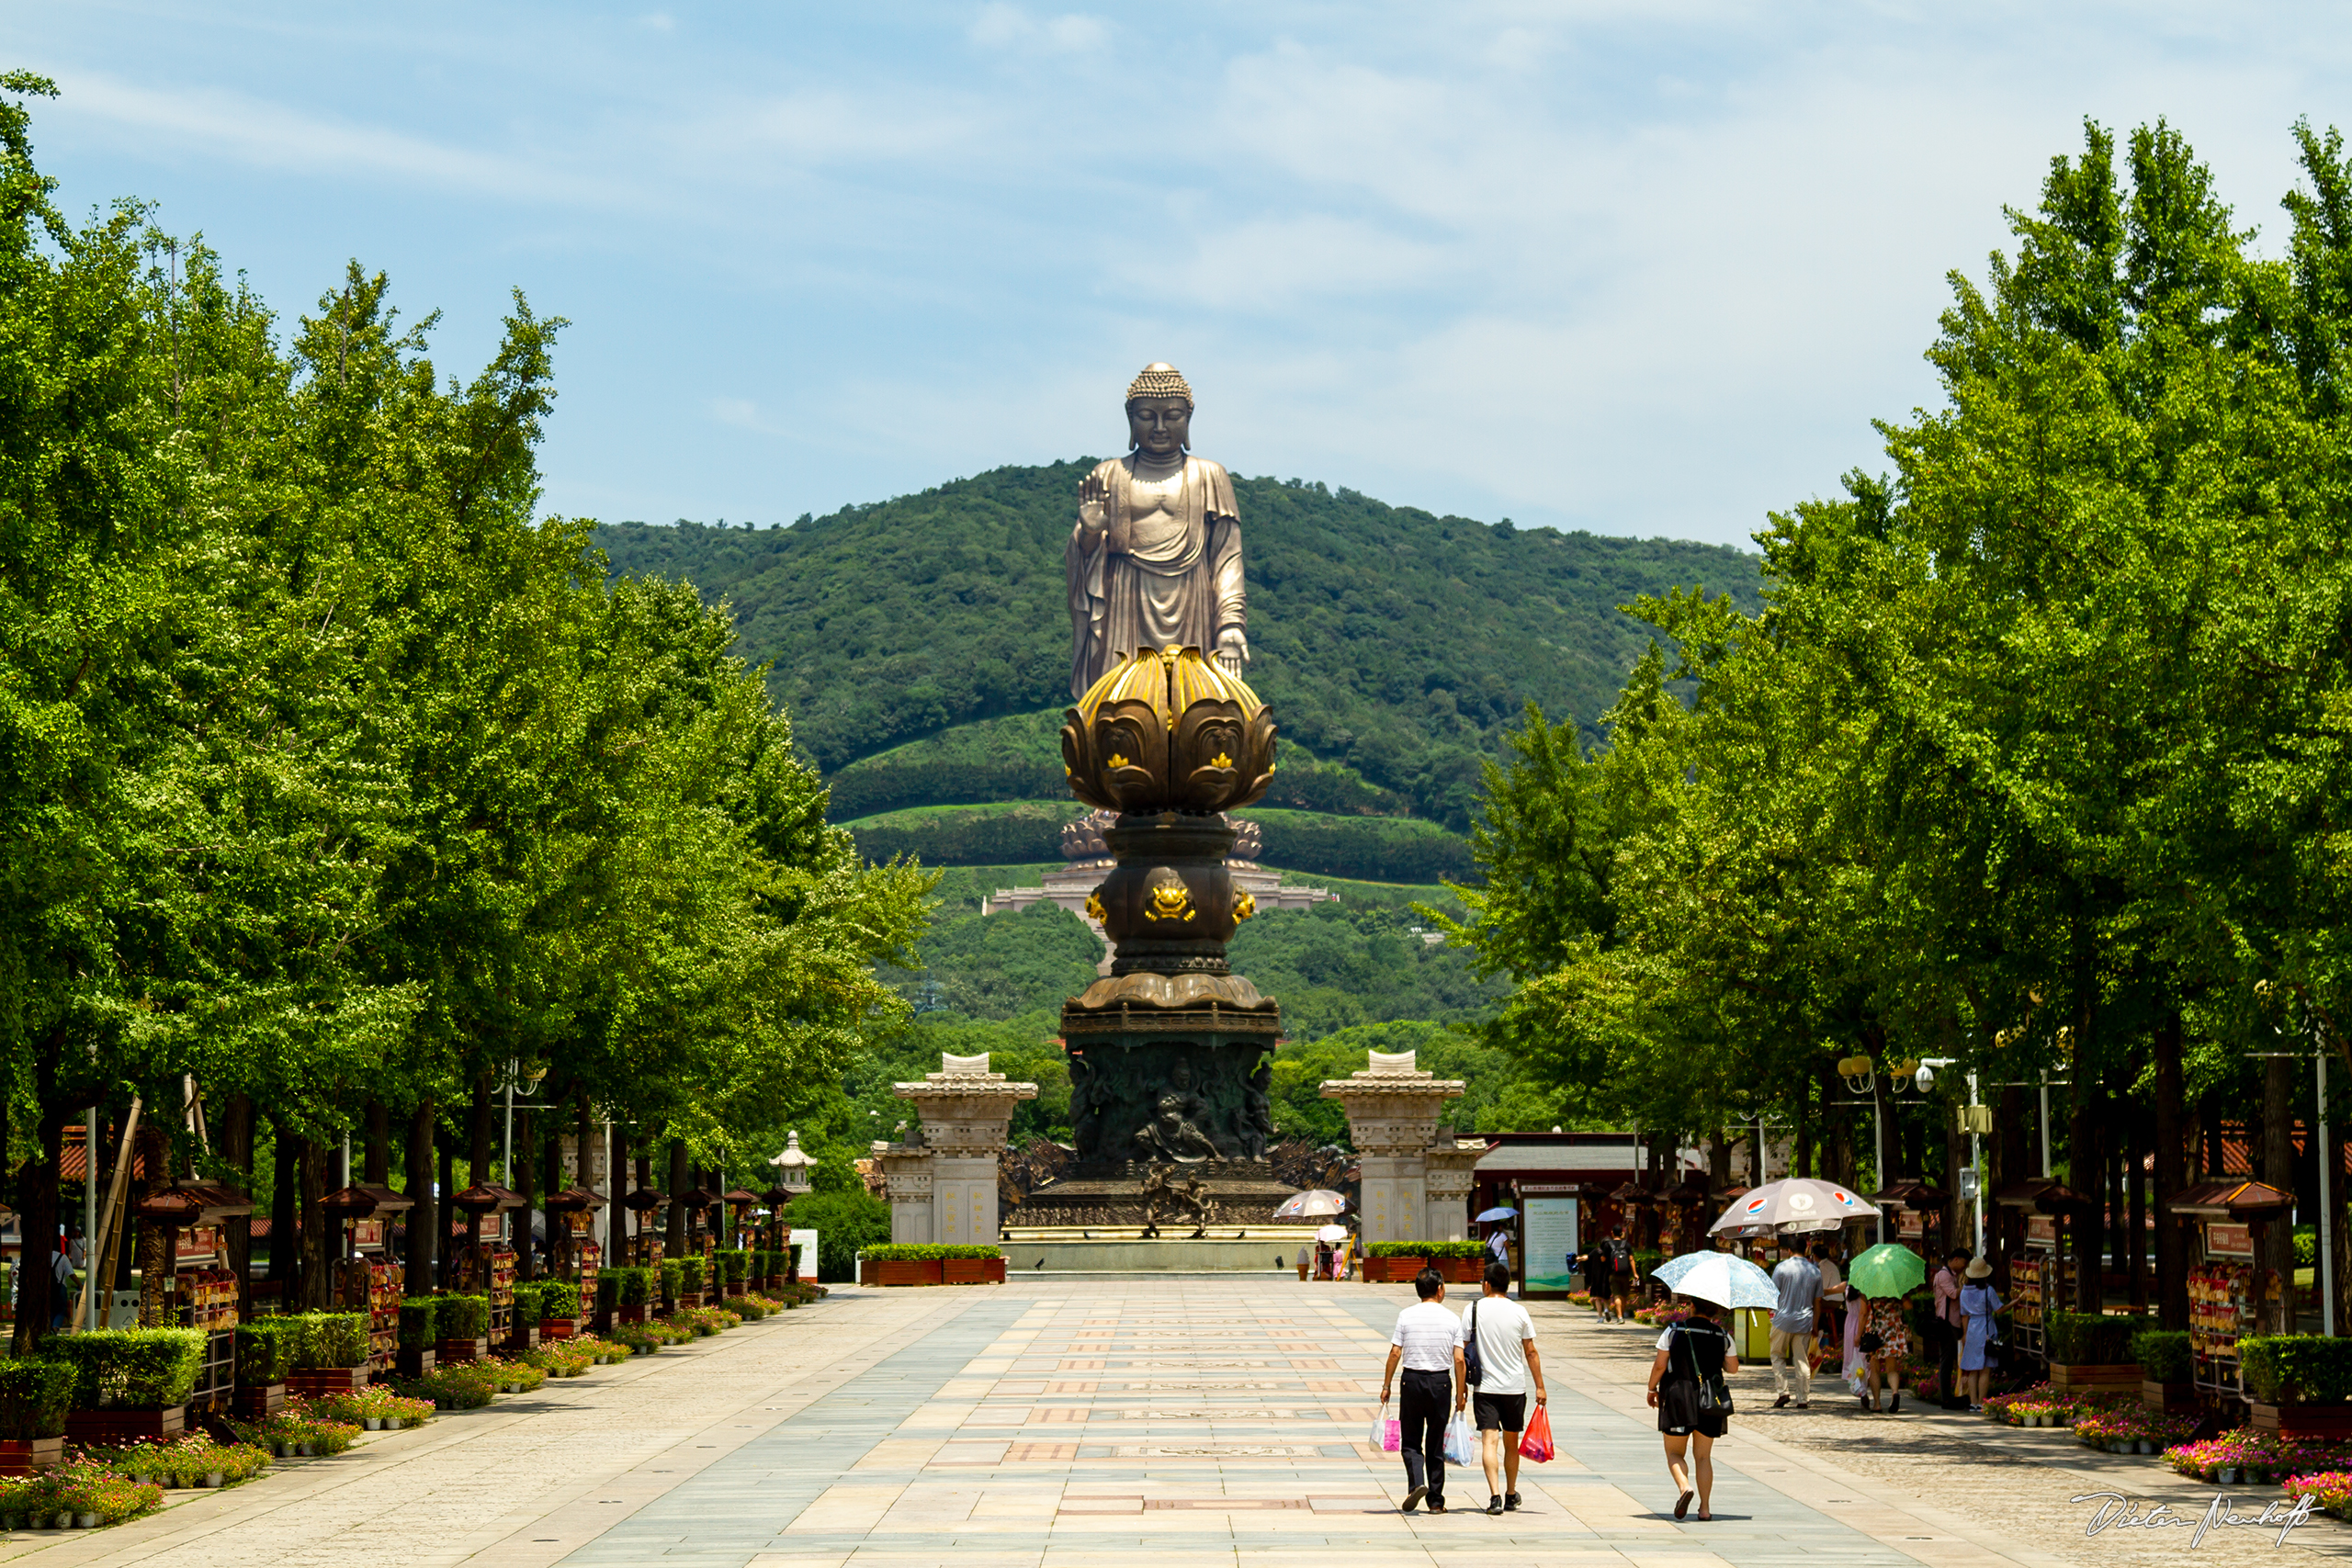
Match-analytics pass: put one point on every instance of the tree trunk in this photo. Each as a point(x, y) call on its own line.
point(477, 1129)
point(36, 1260)
point(376, 1162)
point(673, 1242)
point(2171, 1178)
point(2135, 1210)
point(285, 1173)
point(616, 1185)
point(442, 1247)
point(236, 1146)
point(316, 1284)
point(424, 1226)
point(2279, 1170)
point(2085, 1144)
point(525, 1263)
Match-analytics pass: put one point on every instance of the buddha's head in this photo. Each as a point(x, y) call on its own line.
point(1159, 412)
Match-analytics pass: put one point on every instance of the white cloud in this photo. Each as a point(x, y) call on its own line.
point(1003, 27)
point(659, 21)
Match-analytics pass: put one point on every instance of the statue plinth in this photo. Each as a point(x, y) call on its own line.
point(1393, 1109)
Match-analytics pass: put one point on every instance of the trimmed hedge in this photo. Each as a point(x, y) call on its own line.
point(419, 1322)
point(463, 1317)
point(35, 1396)
point(735, 1267)
point(331, 1339)
point(265, 1349)
point(925, 1252)
point(2163, 1354)
point(673, 1276)
point(693, 1274)
point(1426, 1249)
point(560, 1298)
point(135, 1369)
point(2090, 1338)
point(525, 1313)
point(2297, 1369)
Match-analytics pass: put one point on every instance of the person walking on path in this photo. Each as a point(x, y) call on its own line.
point(1427, 1341)
point(1596, 1276)
point(1505, 1338)
point(1885, 1340)
point(1798, 1278)
point(1946, 1321)
point(1621, 1272)
point(1692, 1400)
point(1832, 1313)
point(1978, 1303)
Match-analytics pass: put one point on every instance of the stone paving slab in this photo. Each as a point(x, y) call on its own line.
point(1221, 1421)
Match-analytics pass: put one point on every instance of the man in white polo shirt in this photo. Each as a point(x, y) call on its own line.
point(1428, 1340)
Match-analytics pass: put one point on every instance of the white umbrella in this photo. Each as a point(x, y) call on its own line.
point(1332, 1233)
point(1314, 1201)
point(1724, 1278)
point(1794, 1203)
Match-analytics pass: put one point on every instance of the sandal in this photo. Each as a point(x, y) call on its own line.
point(1682, 1504)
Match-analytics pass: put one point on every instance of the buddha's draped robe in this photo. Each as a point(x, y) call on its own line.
point(1175, 581)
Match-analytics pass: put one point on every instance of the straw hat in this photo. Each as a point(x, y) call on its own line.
point(1980, 1270)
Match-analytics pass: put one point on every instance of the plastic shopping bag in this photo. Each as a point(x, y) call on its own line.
point(1537, 1442)
point(1460, 1439)
point(1387, 1434)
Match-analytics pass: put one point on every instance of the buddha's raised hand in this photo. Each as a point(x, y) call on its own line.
point(1093, 502)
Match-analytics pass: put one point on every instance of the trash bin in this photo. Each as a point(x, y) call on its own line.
point(1753, 1334)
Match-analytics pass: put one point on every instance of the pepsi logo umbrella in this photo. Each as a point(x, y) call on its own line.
point(1314, 1201)
point(1795, 1204)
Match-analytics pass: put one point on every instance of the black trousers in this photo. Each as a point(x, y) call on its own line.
point(1425, 1403)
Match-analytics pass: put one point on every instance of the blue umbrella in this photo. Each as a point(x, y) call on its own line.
point(1496, 1214)
point(1724, 1278)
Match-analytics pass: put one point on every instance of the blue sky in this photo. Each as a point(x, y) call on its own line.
point(1639, 268)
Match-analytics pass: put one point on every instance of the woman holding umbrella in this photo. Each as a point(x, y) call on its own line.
point(1885, 1274)
point(1687, 1385)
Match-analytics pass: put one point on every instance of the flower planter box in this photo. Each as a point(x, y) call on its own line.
point(638, 1314)
point(971, 1271)
point(524, 1340)
point(120, 1429)
point(2302, 1420)
point(2093, 1377)
point(452, 1352)
point(738, 1288)
point(1392, 1270)
point(559, 1327)
point(323, 1381)
point(1461, 1271)
point(2172, 1396)
point(258, 1401)
point(688, 1301)
point(901, 1271)
point(417, 1363)
point(24, 1456)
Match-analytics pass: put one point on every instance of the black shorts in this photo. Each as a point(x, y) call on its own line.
point(1678, 1415)
point(1500, 1412)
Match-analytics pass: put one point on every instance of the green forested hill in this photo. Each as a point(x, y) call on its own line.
point(1393, 645)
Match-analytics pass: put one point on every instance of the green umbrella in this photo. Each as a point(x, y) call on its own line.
point(1887, 1269)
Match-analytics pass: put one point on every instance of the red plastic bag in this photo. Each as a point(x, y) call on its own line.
point(1535, 1443)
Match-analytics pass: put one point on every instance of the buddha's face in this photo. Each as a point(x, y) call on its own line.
point(1160, 427)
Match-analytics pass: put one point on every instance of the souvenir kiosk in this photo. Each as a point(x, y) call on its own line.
point(485, 1266)
point(366, 1277)
point(2227, 1290)
point(1919, 1209)
point(573, 1255)
point(196, 1287)
point(2041, 1272)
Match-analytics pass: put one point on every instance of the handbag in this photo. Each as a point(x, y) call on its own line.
point(1714, 1394)
point(1870, 1344)
point(1473, 1369)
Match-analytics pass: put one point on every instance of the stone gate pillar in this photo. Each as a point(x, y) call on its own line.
point(906, 1177)
point(966, 1112)
point(1453, 1167)
point(1392, 1119)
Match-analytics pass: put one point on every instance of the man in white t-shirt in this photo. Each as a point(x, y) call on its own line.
point(1507, 1362)
point(1427, 1341)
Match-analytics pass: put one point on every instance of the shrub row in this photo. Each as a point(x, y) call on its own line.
point(1426, 1249)
point(2090, 1338)
point(2164, 1355)
point(925, 1252)
point(269, 1348)
point(2297, 1369)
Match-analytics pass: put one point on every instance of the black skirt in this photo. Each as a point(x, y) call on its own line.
point(1678, 1415)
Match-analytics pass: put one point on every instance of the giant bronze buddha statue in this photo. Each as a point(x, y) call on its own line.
point(1155, 559)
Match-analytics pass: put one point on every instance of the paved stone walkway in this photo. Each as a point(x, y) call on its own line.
point(1055, 1424)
